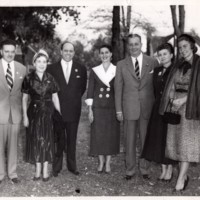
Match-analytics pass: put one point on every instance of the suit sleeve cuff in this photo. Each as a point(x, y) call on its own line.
point(89, 102)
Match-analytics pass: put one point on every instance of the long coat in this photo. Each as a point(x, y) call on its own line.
point(134, 97)
point(70, 93)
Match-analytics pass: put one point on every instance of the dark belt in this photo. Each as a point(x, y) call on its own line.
point(181, 90)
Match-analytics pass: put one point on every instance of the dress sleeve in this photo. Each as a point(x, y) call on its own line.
point(26, 85)
point(54, 87)
point(90, 92)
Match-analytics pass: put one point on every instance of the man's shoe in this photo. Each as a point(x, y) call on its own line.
point(15, 180)
point(55, 174)
point(75, 172)
point(128, 177)
point(146, 176)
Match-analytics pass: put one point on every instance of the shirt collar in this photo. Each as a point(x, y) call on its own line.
point(6, 63)
point(63, 62)
point(138, 58)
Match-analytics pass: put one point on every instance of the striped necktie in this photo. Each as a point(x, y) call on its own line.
point(9, 77)
point(137, 69)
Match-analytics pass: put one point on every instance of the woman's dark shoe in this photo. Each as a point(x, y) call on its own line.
point(186, 182)
point(36, 178)
point(160, 179)
point(168, 180)
point(45, 179)
point(100, 171)
point(184, 186)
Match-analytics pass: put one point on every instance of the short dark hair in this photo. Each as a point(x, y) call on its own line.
point(8, 42)
point(166, 46)
point(105, 46)
point(134, 35)
point(65, 42)
point(190, 39)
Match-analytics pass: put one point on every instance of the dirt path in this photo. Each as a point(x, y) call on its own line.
point(89, 183)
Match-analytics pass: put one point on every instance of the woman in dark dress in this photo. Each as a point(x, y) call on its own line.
point(42, 90)
point(105, 135)
point(154, 148)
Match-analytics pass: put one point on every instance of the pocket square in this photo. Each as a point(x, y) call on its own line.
point(151, 72)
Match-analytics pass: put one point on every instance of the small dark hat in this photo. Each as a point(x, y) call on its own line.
point(189, 37)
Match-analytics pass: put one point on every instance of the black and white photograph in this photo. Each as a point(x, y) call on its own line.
point(100, 99)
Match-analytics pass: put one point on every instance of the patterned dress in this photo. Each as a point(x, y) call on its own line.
point(40, 135)
point(183, 140)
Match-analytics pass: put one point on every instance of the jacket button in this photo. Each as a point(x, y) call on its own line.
point(107, 95)
point(108, 89)
point(100, 95)
point(101, 89)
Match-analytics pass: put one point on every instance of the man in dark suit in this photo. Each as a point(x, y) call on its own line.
point(71, 78)
point(134, 100)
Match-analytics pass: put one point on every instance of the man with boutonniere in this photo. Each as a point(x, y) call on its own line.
point(12, 74)
point(71, 78)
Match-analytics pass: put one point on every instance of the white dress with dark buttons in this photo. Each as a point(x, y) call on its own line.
point(105, 129)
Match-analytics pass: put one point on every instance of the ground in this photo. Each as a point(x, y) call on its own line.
point(90, 183)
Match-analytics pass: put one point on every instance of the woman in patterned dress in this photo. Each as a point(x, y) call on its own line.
point(183, 87)
point(42, 90)
point(105, 135)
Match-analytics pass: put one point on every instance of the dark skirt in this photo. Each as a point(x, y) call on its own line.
point(40, 135)
point(105, 132)
point(155, 142)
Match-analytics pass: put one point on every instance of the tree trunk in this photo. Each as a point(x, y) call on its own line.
point(181, 18)
point(116, 40)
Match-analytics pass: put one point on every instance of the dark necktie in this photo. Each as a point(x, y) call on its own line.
point(9, 77)
point(137, 69)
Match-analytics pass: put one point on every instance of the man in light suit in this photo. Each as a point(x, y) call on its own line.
point(12, 74)
point(134, 100)
point(71, 78)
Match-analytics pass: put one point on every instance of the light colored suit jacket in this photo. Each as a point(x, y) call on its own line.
point(11, 101)
point(134, 97)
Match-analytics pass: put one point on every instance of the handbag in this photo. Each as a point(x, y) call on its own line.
point(171, 117)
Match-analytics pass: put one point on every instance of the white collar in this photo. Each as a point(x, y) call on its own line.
point(63, 62)
point(105, 76)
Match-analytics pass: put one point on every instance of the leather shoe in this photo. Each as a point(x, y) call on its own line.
point(55, 174)
point(45, 179)
point(36, 178)
point(75, 172)
point(128, 177)
point(146, 176)
point(15, 180)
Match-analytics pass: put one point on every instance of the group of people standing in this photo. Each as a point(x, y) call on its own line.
point(137, 91)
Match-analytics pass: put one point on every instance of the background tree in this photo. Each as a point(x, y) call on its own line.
point(32, 24)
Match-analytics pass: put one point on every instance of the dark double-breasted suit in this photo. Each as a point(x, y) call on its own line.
point(134, 98)
point(70, 102)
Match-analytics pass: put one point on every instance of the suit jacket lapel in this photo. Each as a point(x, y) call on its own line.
point(61, 73)
point(130, 66)
point(2, 76)
point(72, 73)
point(144, 66)
point(18, 75)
